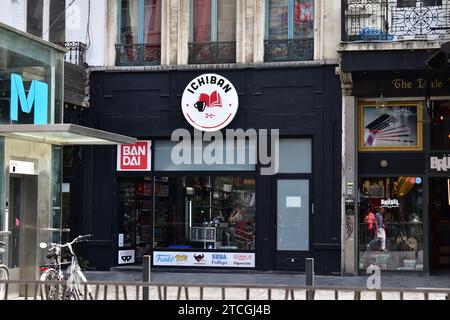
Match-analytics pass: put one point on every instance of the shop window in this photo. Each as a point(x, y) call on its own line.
point(289, 30)
point(205, 213)
point(391, 223)
point(440, 126)
point(295, 156)
point(208, 213)
point(135, 216)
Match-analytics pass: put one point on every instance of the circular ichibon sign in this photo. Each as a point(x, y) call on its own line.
point(209, 102)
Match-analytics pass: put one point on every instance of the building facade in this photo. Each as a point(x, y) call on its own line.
point(281, 58)
point(395, 135)
point(79, 27)
point(30, 209)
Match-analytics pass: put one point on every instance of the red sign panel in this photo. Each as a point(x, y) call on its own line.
point(134, 157)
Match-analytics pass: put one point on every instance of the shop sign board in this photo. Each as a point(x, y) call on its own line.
point(134, 157)
point(439, 163)
point(389, 203)
point(126, 257)
point(209, 102)
point(21, 167)
point(204, 259)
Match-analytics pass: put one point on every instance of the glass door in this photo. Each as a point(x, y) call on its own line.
point(293, 222)
point(15, 204)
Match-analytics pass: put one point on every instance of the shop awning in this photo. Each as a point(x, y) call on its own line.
point(63, 134)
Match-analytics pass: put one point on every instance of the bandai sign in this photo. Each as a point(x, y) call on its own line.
point(134, 157)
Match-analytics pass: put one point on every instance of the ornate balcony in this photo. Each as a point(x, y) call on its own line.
point(76, 53)
point(289, 50)
point(138, 54)
point(212, 52)
point(395, 20)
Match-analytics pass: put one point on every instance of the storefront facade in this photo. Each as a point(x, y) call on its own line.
point(401, 144)
point(212, 215)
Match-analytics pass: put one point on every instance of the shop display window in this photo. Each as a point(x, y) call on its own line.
point(391, 223)
point(206, 213)
point(135, 211)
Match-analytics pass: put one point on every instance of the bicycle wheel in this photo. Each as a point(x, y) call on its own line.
point(51, 291)
point(4, 275)
point(82, 287)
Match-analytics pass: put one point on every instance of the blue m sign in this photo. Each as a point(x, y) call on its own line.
point(37, 95)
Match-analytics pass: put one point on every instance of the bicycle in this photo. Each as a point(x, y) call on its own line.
point(75, 286)
point(4, 273)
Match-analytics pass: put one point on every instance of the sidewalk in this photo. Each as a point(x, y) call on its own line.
point(387, 280)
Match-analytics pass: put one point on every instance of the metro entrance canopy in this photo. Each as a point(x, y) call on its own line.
point(63, 134)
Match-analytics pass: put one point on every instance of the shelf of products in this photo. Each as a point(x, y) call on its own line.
point(208, 236)
point(223, 204)
point(162, 228)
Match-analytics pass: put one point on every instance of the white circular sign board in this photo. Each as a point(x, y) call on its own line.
point(209, 102)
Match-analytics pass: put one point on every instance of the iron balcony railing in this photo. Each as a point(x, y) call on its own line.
point(212, 52)
point(394, 20)
point(289, 50)
point(138, 54)
point(76, 53)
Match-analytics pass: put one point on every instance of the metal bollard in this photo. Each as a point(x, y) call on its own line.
point(309, 268)
point(146, 273)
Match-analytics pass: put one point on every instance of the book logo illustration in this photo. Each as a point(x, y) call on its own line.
point(209, 102)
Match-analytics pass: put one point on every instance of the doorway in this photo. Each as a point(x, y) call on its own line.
point(292, 223)
point(440, 224)
point(23, 191)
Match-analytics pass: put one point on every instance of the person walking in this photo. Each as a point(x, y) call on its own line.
point(381, 232)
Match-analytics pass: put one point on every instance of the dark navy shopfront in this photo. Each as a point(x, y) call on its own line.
point(212, 216)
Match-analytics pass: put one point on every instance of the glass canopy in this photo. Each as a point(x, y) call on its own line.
point(63, 134)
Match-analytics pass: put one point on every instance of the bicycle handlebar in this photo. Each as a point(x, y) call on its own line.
point(83, 238)
point(77, 239)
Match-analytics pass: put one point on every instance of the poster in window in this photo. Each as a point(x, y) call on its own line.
point(390, 127)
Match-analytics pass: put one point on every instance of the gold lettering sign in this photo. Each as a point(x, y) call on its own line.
point(419, 83)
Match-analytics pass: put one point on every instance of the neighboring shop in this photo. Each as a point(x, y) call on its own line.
point(32, 135)
point(205, 214)
point(403, 145)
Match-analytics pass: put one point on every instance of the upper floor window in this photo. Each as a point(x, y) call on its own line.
point(139, 38)
point(289, 30)
point(414, 3)
point(35, 10)
point(47, 20)
point(213, 31)
point(395, 20)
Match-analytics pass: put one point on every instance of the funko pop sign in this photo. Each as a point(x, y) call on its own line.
point(209, 102)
